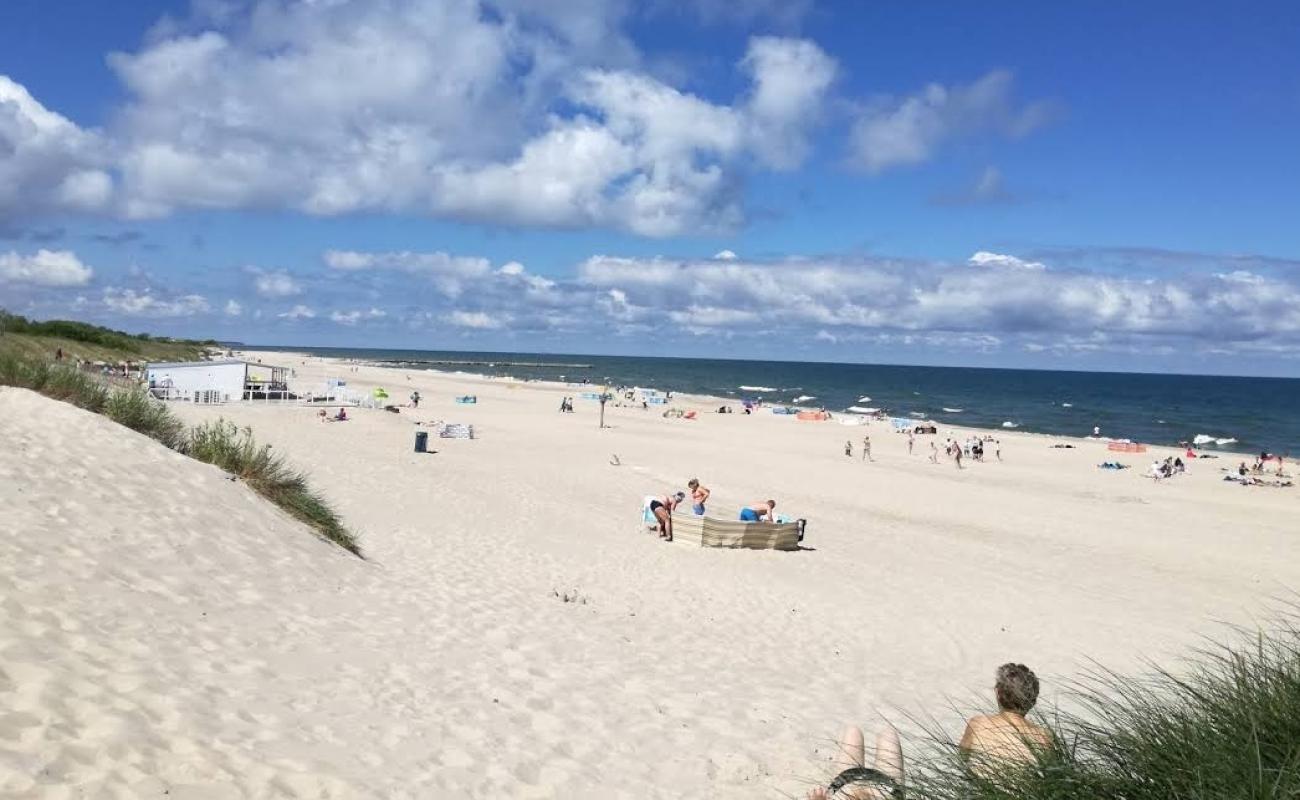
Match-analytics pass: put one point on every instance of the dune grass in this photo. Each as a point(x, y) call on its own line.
point(53, 380)
point(137, 410)
point(219, 443)
point(1226, 726)
point(233, 449)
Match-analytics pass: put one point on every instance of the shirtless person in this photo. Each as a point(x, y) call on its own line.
point(699, 496)
point(662, 508)
point(1007, 735)
point(762, 511)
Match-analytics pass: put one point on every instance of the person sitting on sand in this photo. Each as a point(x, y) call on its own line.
point(860, 782)
point(759, 510)
point(1007, 736)
point(662, 508)
point(323, 415)
point(342, 416)
point(699, 496)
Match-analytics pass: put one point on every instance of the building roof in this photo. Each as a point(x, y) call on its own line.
point(184, 364)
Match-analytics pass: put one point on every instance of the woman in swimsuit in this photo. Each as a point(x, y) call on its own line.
point(699, 495)
point(663, 512)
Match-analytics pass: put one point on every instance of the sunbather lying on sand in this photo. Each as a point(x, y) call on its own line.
point(860, 782)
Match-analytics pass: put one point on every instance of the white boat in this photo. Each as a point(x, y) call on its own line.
point(953, 410)
point(861, 410)
point(1011, 424)
point(864, 399)
point(803, 398)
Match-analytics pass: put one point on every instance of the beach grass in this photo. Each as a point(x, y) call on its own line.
point(219, 443)
point(233, 449)
point(54, 380)
point(1226, 725)
point(139, 411)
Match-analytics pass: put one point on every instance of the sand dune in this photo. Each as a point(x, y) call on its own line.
point(165, 628)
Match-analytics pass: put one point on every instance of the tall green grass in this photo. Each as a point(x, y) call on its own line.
point(233, 449)
point(139, 411)
point(57, 381)
point(219, 443)
point(1224, 727)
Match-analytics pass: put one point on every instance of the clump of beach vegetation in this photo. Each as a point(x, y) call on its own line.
point(219, 443)
point(1224, 726)
point(234, 450)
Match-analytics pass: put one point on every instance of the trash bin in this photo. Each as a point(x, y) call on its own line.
point(421, 441)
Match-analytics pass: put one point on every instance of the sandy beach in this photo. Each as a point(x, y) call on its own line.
point(516, 632)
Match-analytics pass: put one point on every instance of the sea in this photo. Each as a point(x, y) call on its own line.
point(1230, 414)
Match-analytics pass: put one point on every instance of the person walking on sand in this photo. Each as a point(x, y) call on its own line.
point(758, 511)
point(997, 448)
point(911, 440)
point(848, 448)
point(992, 741)
point(699, 496)
point(934, 453)
point(866, 448)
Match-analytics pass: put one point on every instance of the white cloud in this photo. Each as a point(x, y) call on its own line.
point(450, 274)
point(791, 77)
point(298, 312)
point(1005, 296)
point(510, 112)
point(44, 268)
point(147, 304)
point(475, 319)
point(725, 255)
point(907, 131)
point(984, 258)
point(355, 316)
point(275, 284)
point(233, 308)
point(47, 163)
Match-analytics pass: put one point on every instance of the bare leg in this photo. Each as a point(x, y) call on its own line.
point(889, 754)
point(889, 760)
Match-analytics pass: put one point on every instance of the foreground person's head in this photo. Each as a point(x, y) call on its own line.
point(1017, 688)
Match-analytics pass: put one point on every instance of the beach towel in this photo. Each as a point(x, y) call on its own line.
point(648, 517)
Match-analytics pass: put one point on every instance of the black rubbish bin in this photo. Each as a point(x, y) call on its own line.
point(421, 441)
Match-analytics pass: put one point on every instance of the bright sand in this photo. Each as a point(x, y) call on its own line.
point(161, 627)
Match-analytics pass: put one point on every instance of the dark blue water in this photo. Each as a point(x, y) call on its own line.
point(1260, 413)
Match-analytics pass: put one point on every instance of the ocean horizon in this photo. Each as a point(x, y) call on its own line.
point(1228, 413)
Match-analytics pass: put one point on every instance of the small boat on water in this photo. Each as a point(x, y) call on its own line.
point(953, 410)
point(862, 410)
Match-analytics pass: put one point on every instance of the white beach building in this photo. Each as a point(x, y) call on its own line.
point(217, 381)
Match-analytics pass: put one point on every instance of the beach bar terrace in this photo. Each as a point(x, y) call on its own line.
point(217, 381)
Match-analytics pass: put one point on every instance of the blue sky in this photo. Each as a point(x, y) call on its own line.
point(1075, 185)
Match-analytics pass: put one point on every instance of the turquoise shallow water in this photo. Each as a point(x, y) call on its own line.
point(1259, 413)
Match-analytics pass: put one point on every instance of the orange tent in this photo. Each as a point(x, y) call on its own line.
point(813, 415)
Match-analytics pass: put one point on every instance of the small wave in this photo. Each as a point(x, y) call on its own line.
point(861, 410)
point(917, 414)
point(803, 398)
point(864, 399)
point(1009, 424)
point(1067, 405)
point(758, 388)
point(953, 410)
point(1202, 438)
